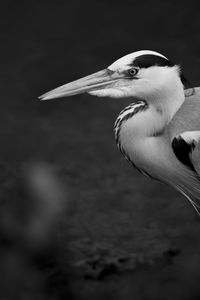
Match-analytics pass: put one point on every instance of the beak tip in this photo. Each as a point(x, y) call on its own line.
point(80, 86)
point(44, 97)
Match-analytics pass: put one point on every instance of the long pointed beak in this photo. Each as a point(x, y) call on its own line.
point(89, 83)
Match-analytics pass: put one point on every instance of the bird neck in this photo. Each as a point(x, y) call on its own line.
point(168, 97)
point(144, 120)
point(154, 113)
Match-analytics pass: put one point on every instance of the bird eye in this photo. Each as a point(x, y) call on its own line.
point(133, 71)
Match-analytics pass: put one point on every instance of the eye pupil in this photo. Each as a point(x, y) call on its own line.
point(133, 71)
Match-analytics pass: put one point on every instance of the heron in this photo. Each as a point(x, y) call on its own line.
point(159, 132)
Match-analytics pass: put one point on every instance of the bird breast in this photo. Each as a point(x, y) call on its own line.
point(139, 134)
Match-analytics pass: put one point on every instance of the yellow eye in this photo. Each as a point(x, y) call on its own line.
point(133, 71)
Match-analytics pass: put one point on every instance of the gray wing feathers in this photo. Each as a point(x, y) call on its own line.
point(187, 117)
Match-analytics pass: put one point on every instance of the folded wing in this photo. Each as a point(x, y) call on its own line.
point(184, 134)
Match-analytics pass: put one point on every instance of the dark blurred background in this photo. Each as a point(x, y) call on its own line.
point(118, 235)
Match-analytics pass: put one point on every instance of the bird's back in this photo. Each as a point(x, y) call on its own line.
point(187, 117)
point(183, 132)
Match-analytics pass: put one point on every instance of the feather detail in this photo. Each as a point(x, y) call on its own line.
point(184, 180)
point(187, 118)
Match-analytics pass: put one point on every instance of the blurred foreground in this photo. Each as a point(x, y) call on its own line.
point(40, 258)
point(31, 206)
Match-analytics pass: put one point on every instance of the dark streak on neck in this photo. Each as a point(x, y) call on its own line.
point(134, 109)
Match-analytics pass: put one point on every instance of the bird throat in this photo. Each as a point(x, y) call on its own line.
point(141, 122)
point(126, 114)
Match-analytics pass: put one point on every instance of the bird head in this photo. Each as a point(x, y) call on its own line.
point(140, 74)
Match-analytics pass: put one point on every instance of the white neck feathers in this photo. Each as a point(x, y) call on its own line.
point(162, 103)
point(169, 94)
